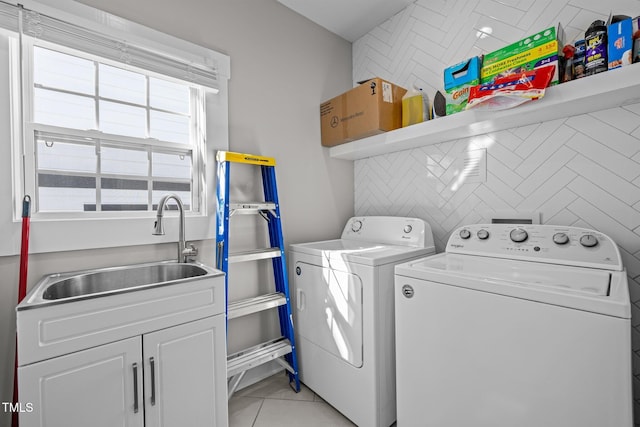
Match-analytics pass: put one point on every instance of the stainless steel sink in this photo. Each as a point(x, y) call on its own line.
point(64, 287)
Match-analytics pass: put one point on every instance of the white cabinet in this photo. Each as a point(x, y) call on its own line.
point(93, 387)
point(160, 349)
point(171, 377)
point(185, 378)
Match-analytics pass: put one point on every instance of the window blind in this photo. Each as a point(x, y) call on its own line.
point(113, 45)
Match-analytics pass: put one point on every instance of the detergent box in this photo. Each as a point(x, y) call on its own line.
point(619, 36)
point(532, 52)
point(457, 81)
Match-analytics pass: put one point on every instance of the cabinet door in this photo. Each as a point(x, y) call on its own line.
point(94, 387)
point(185, 375)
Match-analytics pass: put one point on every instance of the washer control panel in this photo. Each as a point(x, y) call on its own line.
point(390, 230)
point(533, 242)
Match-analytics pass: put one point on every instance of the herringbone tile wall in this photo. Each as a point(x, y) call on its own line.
point(583, 171)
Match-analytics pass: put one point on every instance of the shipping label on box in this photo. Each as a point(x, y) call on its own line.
point(458, 79)
point(373, 107)
point(532, 52)
point(620, 40)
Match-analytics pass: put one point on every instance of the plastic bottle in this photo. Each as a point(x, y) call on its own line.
point(578, 60)
point(596, 53)
point(415, 107)
point(569, 51)
point(439, 106)
point(636, 39)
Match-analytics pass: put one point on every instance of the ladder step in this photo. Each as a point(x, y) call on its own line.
point(257, 355)
point(254, 305)
point(254, 255)
point(248, 208)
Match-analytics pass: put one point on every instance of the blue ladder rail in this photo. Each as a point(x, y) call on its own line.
point(276, 240)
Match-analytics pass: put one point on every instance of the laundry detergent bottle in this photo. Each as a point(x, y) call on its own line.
point(596, 53)
point(415, 107)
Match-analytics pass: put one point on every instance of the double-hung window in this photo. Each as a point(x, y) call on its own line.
point(106, 116)
point(107, 138)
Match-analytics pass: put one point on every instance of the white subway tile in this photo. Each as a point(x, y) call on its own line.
point(617, 209)
point(545, 151)
point(499, 11)
point(603, 222)
point(604, 178)
point(538, 136)
point(546, 190)
point(606, 157)
point(602, 128)
point(545, 171)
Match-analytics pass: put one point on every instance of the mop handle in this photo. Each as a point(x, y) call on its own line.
point(24, 250)
point(22, 291)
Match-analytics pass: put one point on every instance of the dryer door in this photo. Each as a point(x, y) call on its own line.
point(329, 310)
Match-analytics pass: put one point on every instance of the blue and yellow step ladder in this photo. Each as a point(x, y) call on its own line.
point(282, 349)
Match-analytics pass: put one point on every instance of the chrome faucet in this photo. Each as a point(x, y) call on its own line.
point(185, 251)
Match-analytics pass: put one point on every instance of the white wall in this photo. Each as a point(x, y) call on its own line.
point(583, 171)
point(282, 67)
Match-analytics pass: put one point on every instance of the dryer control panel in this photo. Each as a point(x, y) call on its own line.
point(390, 230)
point(534, 242)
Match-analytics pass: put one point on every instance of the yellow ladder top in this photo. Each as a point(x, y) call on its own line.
point(252, 159)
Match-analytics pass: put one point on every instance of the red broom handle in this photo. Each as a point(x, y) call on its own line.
point(22, 291)
point(24, 248)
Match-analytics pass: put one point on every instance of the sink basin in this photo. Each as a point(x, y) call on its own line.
point(63, 287)
point(121, 278)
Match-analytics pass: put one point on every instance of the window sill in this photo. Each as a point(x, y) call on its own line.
point(69, 235)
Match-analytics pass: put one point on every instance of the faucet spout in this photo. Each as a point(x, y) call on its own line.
point(185, 251)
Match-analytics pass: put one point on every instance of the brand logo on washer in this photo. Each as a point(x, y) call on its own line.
point(407, 291)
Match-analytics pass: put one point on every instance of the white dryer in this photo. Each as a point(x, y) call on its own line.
point(343, 313)
point(524, 326)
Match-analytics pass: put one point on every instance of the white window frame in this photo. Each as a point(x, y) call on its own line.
point(30, 186)
point(51, 233)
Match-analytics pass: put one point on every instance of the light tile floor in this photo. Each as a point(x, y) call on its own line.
point(272, 403)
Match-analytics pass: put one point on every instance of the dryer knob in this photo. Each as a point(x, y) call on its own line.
point(588, 240)
point(560, 238)
point(483, 234)
point(465, 234)
point(356, 225)
point(407, 229)
point(519, 235)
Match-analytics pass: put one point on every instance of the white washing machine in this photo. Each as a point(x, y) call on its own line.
point(524, 326)
point(343, 313)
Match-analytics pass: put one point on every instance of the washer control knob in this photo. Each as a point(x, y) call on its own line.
point(588, 240)
point(465, 234)
point(356, 225)
point(519, 235)
point(560, 238)
point(407, 229)
point(483, 234)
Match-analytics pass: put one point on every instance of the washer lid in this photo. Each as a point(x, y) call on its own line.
point(596, 290)
point(360, 252)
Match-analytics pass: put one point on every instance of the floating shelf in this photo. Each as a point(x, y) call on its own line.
point(599, 92)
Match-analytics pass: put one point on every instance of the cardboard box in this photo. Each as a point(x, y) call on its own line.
point(373, 107)
point(457, 81)
point(620, 39)
point(527, 54)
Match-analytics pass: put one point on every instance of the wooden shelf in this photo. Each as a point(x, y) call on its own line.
point(599, 92)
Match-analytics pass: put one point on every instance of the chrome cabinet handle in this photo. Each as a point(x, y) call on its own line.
point(135, 388)
point(152, 362)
